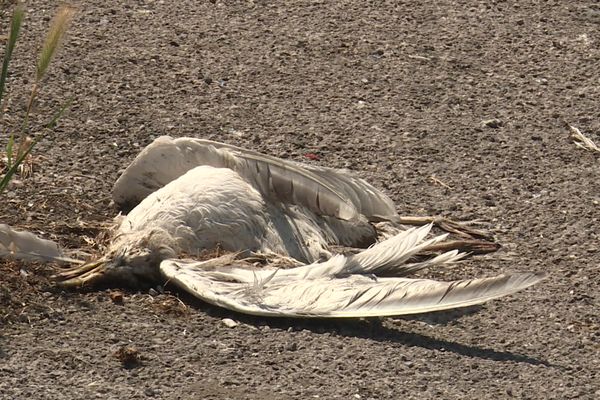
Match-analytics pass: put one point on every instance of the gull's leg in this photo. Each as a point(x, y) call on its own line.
point(464, 229)
point(77, 271)
point(104, 271)
point(465, 246)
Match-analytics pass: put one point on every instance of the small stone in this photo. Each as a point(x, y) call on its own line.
point(291, 346)
point(228, 322)
point(116, 297)
point(491, 123)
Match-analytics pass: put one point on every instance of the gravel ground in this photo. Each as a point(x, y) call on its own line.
point(398, 92)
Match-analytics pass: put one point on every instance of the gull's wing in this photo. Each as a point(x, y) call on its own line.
point(27, 246)
point(322, 190)
point(387, 258)
point(343, 286)
point(353, 296)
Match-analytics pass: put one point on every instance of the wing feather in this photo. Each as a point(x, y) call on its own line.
point(343, 286)
point(352, 296)
point(324, 191)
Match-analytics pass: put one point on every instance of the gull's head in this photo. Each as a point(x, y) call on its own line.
point(131, 260)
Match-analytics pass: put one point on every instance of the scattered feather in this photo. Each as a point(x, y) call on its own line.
point(27, 246)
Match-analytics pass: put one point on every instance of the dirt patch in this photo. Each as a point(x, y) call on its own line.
point(402, 93)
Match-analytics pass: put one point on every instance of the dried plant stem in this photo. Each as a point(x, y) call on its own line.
point(583, 141)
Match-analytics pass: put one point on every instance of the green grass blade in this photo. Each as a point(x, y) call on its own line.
point(9, 150)
point(13, 169)
point(15, 27)
point(52, 123)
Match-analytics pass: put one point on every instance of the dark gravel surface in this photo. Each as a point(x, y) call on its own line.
point(398, 92)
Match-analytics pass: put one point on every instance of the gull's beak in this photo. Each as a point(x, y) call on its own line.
point(82, 275)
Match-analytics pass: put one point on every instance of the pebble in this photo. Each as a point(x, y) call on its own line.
point(228, 322)
point(492, 123)
point(291, 346)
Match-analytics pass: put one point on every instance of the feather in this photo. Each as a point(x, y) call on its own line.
point(343, 286)
point(368, 200)
point(385, 258)
point(390, 254)
point(324, 191)
point(352, 296)
point(27, 246)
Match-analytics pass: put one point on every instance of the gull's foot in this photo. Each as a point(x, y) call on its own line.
point(465, 246)
point(87, 274)
point(107, 271)
point(464, 229)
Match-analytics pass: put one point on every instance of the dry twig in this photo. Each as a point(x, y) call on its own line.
point(439, 182)
point(583, 141)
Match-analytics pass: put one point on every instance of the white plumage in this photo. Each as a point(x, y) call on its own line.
point(191, 196)
point(27, 246)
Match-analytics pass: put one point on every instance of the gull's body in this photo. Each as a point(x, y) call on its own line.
point(211, 207)
point(190, 196)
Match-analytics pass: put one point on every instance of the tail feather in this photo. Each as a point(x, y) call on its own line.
point(389, 256)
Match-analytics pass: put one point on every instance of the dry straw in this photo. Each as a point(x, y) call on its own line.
point(54, 37)
point(583, 141)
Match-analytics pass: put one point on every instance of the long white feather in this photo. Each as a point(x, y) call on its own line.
point(27, 246)
point(390, 254)
point(343, 286)
point(348, 297)
point(322, 190)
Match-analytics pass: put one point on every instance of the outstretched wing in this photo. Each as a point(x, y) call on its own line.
point(352, 296)
point(322, 190)
point(343, 286)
